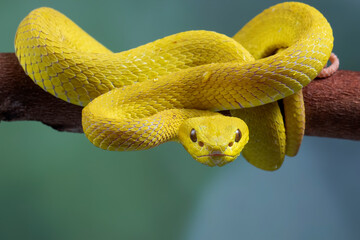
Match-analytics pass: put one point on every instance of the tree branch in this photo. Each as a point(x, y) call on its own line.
point(332, 104)
point(21, 99)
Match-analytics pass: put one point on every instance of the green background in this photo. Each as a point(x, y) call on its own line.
point(57, 185)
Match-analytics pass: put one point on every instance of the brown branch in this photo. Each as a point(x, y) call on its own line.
point(332, 104)
point(21, 99)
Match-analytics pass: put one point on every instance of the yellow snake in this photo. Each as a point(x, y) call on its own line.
point(182, 80)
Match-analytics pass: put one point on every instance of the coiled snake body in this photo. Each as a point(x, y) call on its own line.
point(182, 80)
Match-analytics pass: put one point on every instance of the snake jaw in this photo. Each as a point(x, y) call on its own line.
point(218, 155)
point(216, 158)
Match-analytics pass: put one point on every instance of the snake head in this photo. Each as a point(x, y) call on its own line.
point(215, 140)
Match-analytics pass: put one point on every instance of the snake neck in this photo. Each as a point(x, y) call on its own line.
point(125, 130)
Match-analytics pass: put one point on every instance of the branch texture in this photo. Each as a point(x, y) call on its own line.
point(21, 99)
point(332, 104)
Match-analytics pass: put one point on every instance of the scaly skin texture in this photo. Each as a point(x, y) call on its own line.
point(68, 63)
point(178, 78)
point(294, 113)
point(267, 144)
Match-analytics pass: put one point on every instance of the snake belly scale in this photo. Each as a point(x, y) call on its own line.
point(172, 88)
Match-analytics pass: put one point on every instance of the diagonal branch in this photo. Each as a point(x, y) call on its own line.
point(21, 99)
point(332, 104)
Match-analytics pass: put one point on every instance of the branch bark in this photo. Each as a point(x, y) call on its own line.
point(21, 99)
point(332, 104)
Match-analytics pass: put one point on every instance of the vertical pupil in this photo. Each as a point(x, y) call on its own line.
point(237, 135)
point(193, 135)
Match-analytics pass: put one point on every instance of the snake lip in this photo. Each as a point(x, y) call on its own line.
point(216, 154)
point(217, 158)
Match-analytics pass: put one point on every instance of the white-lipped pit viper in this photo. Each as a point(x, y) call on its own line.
point(170, 89)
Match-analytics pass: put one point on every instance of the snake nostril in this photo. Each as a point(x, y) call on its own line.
point(231, 144)
point(201, 144)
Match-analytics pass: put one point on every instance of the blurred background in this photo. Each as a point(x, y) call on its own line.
point(57, 185)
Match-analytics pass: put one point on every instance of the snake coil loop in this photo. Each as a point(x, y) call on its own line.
point(172, 88)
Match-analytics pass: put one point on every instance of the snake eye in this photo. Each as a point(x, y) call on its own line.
point(193, 136)
point(237, 135)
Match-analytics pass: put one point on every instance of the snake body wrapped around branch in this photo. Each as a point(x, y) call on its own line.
point(172, 88)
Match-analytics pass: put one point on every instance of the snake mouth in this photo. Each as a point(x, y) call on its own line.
point(216, 154)
point(216, 158)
